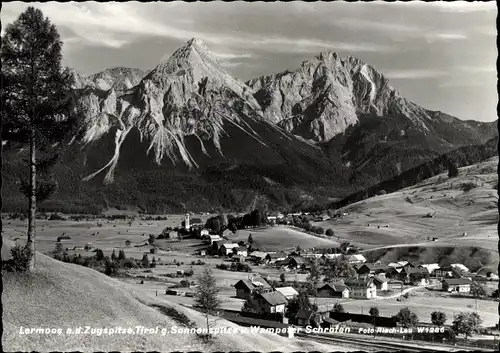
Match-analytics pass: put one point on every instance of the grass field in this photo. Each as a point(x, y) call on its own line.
point(423, 306)
point(59, 295)
point(282, 237)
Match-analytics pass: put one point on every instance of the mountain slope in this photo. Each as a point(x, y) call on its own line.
point(187, 134)
point(51, 298)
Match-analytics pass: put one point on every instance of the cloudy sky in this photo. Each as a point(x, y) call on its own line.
point(440, 55)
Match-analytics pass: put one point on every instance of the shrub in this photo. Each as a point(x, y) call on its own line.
point(466, 187)
point(329, 232)
point(55, 217)
point(222, 267)
point(127, 242)
point(438, 318)
point(21, 255)
point(189, 272)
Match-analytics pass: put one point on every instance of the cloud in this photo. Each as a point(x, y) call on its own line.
point(231, 56)
point(413, 74)
point(446, 6)
point(477, 69)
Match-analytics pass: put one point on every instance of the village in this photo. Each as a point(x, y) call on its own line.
point(269, 283)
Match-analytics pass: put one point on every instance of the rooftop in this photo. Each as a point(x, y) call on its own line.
point(274, 298)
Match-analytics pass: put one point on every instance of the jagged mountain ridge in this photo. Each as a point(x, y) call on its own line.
point(190, 95)
point(189, 120)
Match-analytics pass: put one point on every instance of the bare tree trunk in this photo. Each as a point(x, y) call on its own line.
point(32, 201)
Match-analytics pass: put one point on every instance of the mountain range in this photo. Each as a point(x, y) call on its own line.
point(188, 135)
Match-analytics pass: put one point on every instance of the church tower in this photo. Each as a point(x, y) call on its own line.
point(186, 222)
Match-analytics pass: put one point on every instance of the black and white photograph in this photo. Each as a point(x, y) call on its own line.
point(249, 176)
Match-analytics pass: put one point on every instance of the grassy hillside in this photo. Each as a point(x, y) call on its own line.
point(60, 295)
point(465, 204)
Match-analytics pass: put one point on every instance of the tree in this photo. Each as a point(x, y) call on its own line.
point(452, 170)
point(151, 239)
point(338, 267)
point(216, 226)
point(406, 317)
point(113, 256)
point(438, 318)
point(467, 324)
point(283, 277)
point(153, 263)
point(38, 104)
point(343, 247)
point(314, 275)
point(299, 302)
point(121, 255)
point(127, 243)
point(58, 250)
point(232, 227)
point(206, 294)
point(249, 306)
point(338, 308)
point(145, 261)
point(477, 290)
point(374, 312)
point(329, 232)
point(250, 239)
point(256, 218)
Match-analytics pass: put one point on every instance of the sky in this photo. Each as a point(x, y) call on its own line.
point(439, 55)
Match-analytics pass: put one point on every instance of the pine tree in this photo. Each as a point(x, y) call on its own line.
point(206, 295)
point(38, 106)
point(145, 261)
point(121, 255)
point(113, 256)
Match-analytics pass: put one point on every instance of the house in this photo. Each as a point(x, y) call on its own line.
point(305, 317)
point(456, 285)
point(216, 245)
point(333, 290)
point(270, 302)
point(371, 269)
point(361, 288)
point(332, 256)
point(227, 249)
point(296, 262)
point(203, 252)
point(226, 233)
point(395, 265)
point(488, 273)
point(322, 218)
point(277, 256)
point(245, 287)
point(460, 268)
point(447, 272)
point(414, 275)
point(357, 259)
point(288, 292)
point(213, 238)
point(204, 233)
point(312, 256)
point(196, 222)
point(259, 256)
point(310, 317)
point(430, 267)
point(381, 282)
point(240, 251)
